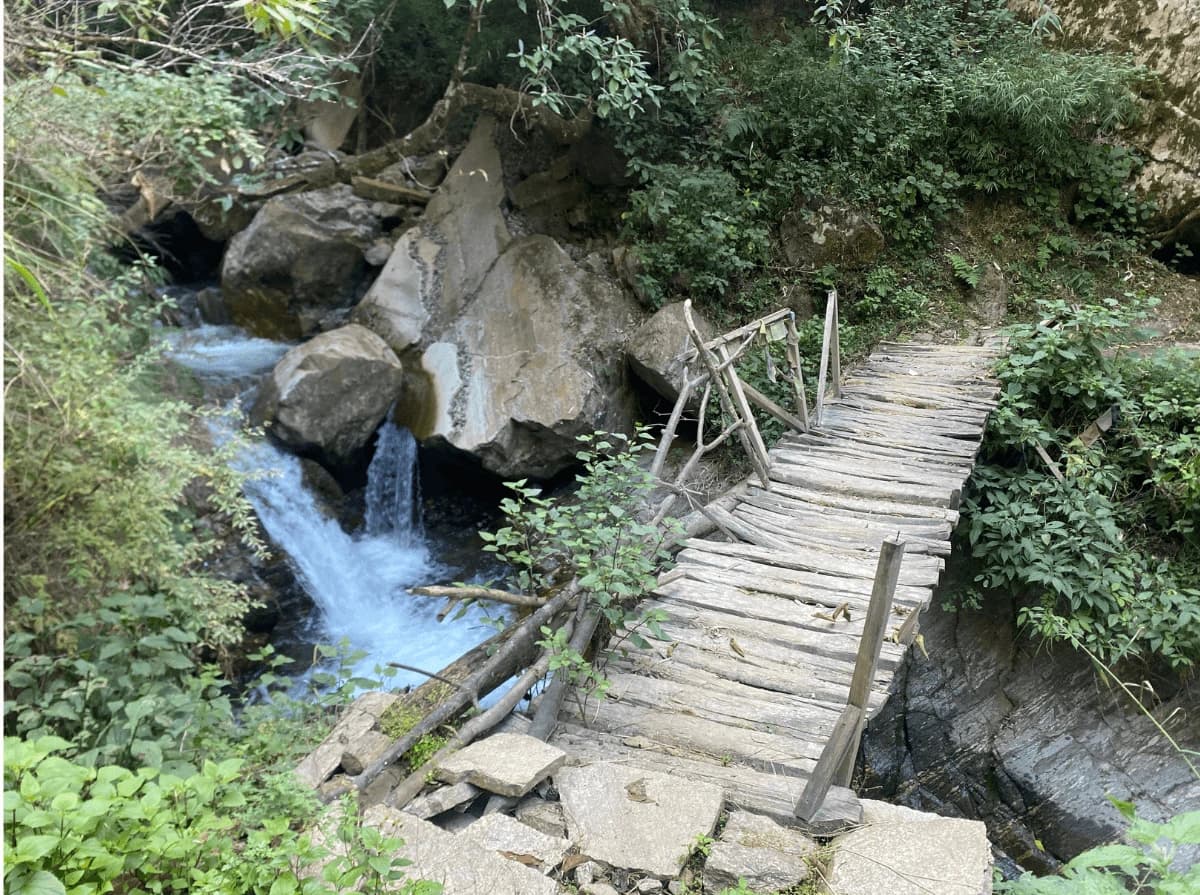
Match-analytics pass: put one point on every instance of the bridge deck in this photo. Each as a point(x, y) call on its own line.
point(756, 673)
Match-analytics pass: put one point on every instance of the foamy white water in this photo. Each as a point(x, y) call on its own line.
point(359, 581)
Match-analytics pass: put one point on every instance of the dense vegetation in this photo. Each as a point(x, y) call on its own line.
point(126, 765)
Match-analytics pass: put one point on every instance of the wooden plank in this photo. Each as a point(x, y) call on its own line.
point(805, 722)
point(823, 370)
point(738, 393)
point(747, 532)
point(757, 596)
point(848, 483)
point(751, 327)
point(906, 423)
point(793, 355)
point(841, 447)
point(760, 792)
point(726, 402)
point(719, 742)
point(836, 500)
point(885, 471)
point(919, 572)
point(735, 640)
point(844, 538)
point(760, 400)
point(808, 514)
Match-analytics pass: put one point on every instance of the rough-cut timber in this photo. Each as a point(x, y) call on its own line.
point(765, 629)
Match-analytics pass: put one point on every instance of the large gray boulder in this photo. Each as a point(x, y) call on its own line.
point(515, 348)
point(300, 264)
point(657, 351)
point(327, 396)
point(830, 234)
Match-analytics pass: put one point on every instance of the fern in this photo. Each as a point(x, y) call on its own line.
point(963, 269)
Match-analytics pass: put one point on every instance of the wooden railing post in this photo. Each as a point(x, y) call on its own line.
point(831, 356)
point(836, 764)
point(793, 354)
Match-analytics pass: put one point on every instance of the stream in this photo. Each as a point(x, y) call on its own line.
point(356, 581)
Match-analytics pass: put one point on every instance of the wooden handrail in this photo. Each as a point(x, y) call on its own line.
point(836, 764)
point(831, 356)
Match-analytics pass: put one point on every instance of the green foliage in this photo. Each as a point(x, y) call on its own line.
point(78, 828)
point(1145, 867)
point(424, 749)
point(964, 270)
point(1109, 555)
point(900, 113)
point(696, 230)
point(594, 536)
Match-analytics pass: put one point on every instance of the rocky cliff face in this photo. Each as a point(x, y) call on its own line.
point(990, 726)
point(1164, 36)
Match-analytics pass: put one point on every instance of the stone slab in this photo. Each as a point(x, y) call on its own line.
point(755, 848)
point(508, 764)
point(461, 866)
point(636, 819)
point(903, 855)
point(348, 736)
point(514, 840)
point(546, 817)
point(442, 800)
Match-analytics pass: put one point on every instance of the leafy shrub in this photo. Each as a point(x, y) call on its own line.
point(1145, 867)
point(918, 103)
point(594, 536)
point(77, 828)
point(1108, 555)
point(694, 230)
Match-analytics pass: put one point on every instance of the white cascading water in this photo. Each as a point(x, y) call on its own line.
point(394, 487)
point(358, 582)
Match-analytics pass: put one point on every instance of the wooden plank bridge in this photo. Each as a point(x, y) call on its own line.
point(757, 690)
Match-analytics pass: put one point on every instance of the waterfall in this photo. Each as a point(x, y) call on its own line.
point(358, 582)
point(394, 487)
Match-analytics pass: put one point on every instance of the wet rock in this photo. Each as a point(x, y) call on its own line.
point(395, 305)
point(830, 234)
point(761, 852)
point(636, 819)
point(903, 854)
point(995, 726)
point(423, 172)
point(300, 258)
point(534, 361)
point(329, 395)
point(519, 347)
point(508, 764)
point(517, 842)
point(211, 303)
point(657, 350)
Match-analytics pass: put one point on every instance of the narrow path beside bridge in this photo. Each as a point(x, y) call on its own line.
point(765, 628)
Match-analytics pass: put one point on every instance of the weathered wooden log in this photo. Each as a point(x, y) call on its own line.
point(411, 786)
point(497, 669)
point(473, 592)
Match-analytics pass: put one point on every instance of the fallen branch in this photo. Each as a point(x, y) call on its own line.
point(473, 592)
